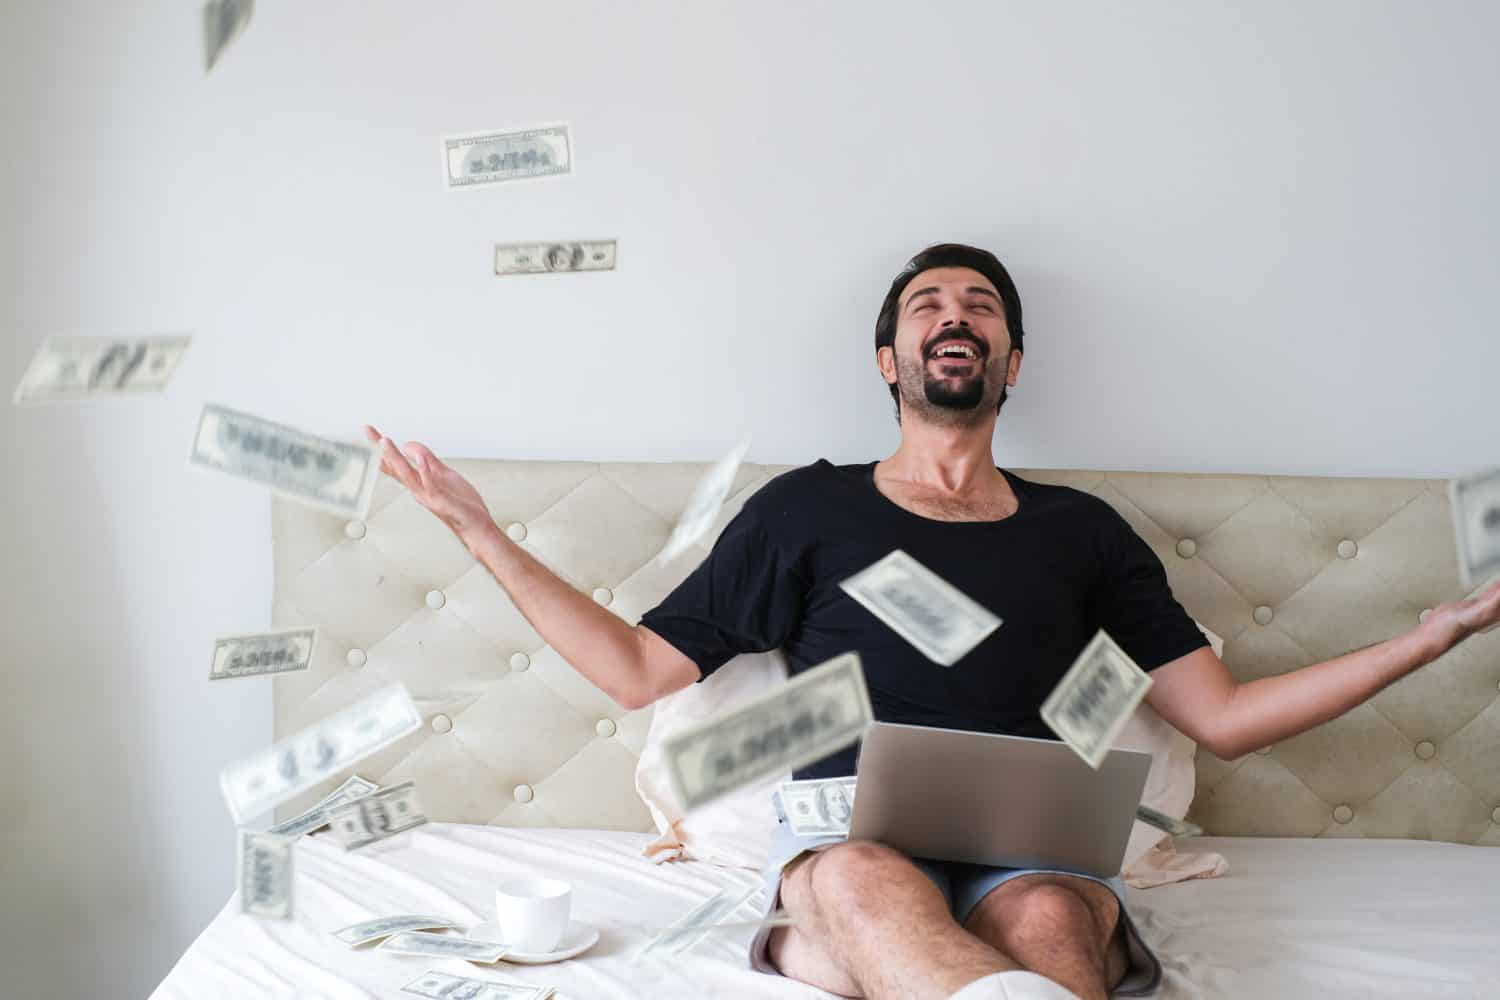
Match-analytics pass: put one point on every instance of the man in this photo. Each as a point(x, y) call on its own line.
point(1055, 563)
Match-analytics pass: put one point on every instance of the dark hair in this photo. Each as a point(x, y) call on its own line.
point(949, 255)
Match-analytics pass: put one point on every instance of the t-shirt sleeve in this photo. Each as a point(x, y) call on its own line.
point(1133, 601)
point(746, 597)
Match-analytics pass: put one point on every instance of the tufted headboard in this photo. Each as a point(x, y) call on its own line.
point(1289, 570)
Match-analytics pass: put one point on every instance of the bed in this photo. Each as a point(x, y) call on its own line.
point(1361, 854)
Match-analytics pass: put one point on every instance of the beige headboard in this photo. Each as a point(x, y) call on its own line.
point(1289, 570)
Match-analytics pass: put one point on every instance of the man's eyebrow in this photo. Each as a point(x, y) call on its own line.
point(934, 290)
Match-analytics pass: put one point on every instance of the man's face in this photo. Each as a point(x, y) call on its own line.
point(952, 355)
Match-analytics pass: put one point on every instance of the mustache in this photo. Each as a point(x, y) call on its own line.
point(959, 336)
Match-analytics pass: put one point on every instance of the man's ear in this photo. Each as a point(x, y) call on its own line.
point(885, 360)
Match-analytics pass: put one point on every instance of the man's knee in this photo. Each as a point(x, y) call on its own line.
point(845, 881)
point(1046, 910)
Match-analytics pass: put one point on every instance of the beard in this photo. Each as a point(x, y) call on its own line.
point(954, 401)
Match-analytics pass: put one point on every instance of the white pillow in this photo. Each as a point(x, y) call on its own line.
point(735, 831)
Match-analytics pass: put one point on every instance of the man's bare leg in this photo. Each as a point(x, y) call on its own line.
point(870, 924)
point(1064, 927)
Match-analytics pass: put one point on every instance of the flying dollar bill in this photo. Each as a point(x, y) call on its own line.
point(1165, 823)
point(696, 923)
point(545, 258)
point(336, 476)
point(223, 20)
point(822, 710)
point(1475, 502)
point(317, 817)
point(366, 931)
point(432, 945)
point(446, 986)
point(265, 865)
point(704, 504)
point(481, 158)
point(284, 770)
point(68, 368)
point(263, 653)
point(1095, 698)
point(818, 807)
point(375, 817)
point(921, 607)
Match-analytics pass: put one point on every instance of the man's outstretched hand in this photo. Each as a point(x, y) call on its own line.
point(435, 486)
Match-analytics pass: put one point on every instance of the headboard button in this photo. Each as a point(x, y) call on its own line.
point(519, 662)
point(1422, 618)
point(1425, 749)
point(605, 727)
point(441, 723)
point(1496, 814)
point(1187, 548)
point(436, 599)
point(355, 529)
point(603, 596)
point(1348, 549)
point(356, 658)
point(1343, 814)
point(1263, 750)
point(522, 793)
point(1263, 615)
point(516, 531)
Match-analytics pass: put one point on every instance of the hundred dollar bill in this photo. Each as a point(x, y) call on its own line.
point(265, 863)
point(542, 258)
point(696, 924)
point(921, 607)
point(481, 158)
point(377, 816)
point(432, 945)
point(317, 817)
point(446, 986)
point(223, 20)
point(1165, 823)
point(1475, 501)
point(263, 653)
point(818, 807)
point(809, 717)
point(705, 503)
point(269, 777)
point(361, 933)
point(1095, 698)
point(67, 368)
point(336, 476)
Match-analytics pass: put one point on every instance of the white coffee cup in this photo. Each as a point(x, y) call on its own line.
point(532, 913)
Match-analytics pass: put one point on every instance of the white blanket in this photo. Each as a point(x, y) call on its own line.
point(1294, 918)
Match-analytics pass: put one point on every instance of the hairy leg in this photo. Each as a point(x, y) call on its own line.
point(870, 924)
point(1064, 927)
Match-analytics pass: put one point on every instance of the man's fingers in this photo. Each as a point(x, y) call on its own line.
point(422, 455)
point(371, 434)
point(396, 465)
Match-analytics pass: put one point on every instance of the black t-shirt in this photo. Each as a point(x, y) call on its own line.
point(1064, 565)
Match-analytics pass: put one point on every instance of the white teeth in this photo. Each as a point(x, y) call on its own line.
point(957, 351)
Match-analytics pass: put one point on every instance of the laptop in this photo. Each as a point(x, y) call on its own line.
point(984, 798)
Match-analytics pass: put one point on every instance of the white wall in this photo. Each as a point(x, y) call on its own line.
point(1247, 240)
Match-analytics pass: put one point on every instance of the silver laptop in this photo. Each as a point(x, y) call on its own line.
point(1010, 801)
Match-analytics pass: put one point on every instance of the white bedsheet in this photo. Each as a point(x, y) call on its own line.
point(1294, 918)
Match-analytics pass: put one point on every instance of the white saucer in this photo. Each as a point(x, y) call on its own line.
point(577, 939)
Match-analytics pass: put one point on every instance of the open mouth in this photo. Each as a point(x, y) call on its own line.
point(956, 357)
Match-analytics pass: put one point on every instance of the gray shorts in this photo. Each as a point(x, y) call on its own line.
point(964, 885)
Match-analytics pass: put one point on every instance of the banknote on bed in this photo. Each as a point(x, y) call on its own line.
point(269, 777)
point(377, 816)
point(549, 258)
point(704, 504)
point(335, 476)
point(696, 923)
point(1095, 698)
point(368, 930)
point(68, 368)
point(317, 817)
point(818, 807)
point(478, 159)
point(223, 21)
point(446, 986)
point(1475, 502)
point(921, 607)
point(263, 653)
point(816, 713)
point(265, 868)
point(434, 945)
point(1167, 824)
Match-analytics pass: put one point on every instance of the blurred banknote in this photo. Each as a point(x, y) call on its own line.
point(1167, 824)
point(266, 874)
point(542, 258)
point(67, 368)
point(317, 817)
point(692, 928)
point(1095, 698)
point(336, 476)
point(361, 933)
point(432, 945)
point(377, 816)
point(1475, 502)
point(446, 986)
point(263, 653)
point(481, 158)
point(704, 504)
point(821, 710)
point(223, 20)
point(269, 777)
point(921, 607)
point(818, 807)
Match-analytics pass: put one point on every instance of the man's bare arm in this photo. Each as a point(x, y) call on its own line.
point(631, 664)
